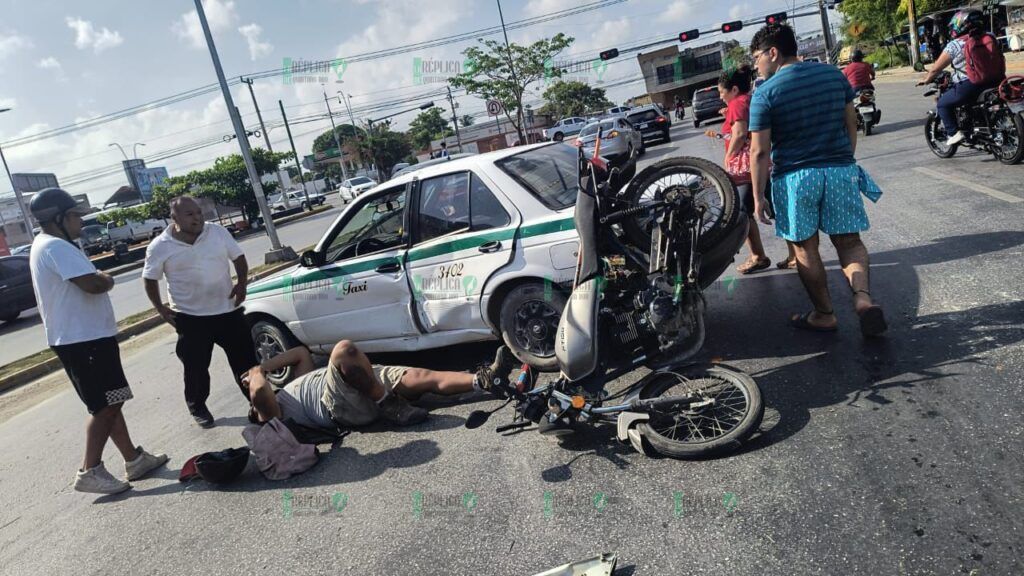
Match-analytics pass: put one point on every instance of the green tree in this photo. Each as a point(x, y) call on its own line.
point(326, 140)
point(427, 126)
point(504, 74)
point(467, 120)
point(387, 148)
point(736, 56)
point(573, 98)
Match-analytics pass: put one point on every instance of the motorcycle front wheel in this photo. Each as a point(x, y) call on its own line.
point(708, 184)
point(730, 409)
point(935, 135)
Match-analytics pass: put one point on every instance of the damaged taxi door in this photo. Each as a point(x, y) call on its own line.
point(462, 232)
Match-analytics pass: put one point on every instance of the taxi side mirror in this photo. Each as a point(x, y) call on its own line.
point(311, 259)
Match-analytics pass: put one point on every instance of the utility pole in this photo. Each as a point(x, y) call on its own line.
point(334, 131)
point(294, 153)
point(515, 80)
point(352, 121)
point(279, 253)
point(455, 119)
point(912, 13)
point(826, 31)
point(266, 137)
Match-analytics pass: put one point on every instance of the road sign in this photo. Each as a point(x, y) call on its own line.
point(493, 107)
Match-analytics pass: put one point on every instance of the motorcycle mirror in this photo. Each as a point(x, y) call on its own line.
point(477, 418)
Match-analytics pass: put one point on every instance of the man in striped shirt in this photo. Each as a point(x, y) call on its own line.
point(803, 123)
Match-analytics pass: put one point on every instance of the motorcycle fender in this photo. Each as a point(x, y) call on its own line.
point(626, 428)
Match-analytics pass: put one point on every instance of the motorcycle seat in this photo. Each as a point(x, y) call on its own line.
point(986, 95)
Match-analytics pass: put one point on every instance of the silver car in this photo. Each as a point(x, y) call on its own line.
point(618, 138)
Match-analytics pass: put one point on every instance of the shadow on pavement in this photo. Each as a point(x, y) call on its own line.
point(823, 370)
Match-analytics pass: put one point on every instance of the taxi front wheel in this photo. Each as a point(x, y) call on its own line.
point(529, 321)
point(270, 340)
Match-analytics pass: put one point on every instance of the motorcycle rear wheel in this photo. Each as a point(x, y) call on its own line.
point(734, 412)
point(701, 178)
point(935, 135)
point(1012, 127)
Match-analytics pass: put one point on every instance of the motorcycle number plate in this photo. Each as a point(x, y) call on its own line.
point(641, 126)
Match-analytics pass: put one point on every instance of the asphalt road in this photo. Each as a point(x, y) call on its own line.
point(861, 466)
point(26, 336)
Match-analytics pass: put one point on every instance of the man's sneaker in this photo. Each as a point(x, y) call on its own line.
point(143, 464)
point(397, 411)
point(495, 378)
point(956, 138)
point(97, 480)
point(203, 417)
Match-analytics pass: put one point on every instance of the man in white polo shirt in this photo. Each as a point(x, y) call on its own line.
point(205, 305)
point(79, 322)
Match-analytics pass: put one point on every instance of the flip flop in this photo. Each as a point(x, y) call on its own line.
point(788, 263)
point(872, 322)
point(749, 268)
point(802, 322)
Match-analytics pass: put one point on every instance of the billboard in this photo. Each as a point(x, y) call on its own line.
point(24, 182)
point(147, 178)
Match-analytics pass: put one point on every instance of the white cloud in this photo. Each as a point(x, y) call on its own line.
point(49, 63)
point(220, 15)
point(257, 49)
point(539, 7)
point(679, 10)
point(87, 36)
point(8, 102)
point(739, 10)
point(11, 43)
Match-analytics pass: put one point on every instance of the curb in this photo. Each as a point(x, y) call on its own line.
point(53, 364)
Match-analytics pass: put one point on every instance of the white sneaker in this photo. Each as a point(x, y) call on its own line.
point(98, 481)
point(143, 464)
point(956, 138)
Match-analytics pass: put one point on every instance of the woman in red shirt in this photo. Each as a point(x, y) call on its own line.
point(734, 89)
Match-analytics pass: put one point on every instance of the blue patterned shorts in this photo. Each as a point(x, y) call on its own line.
point(826, 199)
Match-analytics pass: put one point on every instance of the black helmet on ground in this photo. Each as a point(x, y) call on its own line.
point(51, 204)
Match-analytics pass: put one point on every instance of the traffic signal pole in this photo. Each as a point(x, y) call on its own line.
point(826, 31)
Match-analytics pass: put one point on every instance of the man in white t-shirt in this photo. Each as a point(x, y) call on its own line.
point(205, 305)
point(80, 328)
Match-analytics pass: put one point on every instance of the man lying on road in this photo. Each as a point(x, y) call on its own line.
point(350, 391)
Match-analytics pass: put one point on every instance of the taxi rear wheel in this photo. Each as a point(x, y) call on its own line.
point(270, 340)
point(529, 321)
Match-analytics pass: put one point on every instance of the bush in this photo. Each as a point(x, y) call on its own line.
point(881, 56)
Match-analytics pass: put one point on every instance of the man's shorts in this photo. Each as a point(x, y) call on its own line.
point(348, 407)
point(94, 368)
point(747, 198)
point(812, 199)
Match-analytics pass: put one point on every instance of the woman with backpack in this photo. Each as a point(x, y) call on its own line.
point(978, 65)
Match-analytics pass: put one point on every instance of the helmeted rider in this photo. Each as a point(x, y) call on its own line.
point(859, 73)
point(966, 26)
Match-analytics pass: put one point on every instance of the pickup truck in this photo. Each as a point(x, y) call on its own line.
point(297, 198)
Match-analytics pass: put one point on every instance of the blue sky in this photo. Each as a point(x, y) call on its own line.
point(62, 62)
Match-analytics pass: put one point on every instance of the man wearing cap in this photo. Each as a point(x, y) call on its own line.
point(80, 328)
point(205, 305)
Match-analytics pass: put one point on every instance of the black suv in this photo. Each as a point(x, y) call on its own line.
point(706, 105)
point(16, 293)
point(651, 121)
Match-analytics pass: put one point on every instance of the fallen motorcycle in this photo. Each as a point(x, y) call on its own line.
point(991, 124)
point(646, 253)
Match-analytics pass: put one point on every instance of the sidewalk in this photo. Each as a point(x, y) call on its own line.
point(1014, 65)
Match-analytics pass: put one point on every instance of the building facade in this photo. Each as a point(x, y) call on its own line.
point(669, 73)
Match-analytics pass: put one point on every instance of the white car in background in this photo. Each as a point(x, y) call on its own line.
point(565, 127)
point(472, 249)
point(353, 187)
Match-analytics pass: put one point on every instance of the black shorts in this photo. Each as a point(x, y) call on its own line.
point(747, 198)
point(94, 368)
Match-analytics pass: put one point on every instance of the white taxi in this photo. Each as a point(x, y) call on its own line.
point(473, 249)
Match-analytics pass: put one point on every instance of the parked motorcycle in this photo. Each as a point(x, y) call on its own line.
point(868, 114)
point(641, 303)
point(990, 124)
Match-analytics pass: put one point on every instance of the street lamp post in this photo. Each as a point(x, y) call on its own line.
point(279, 253)
point(17, 193)
point(334, 131)
point(352, 120)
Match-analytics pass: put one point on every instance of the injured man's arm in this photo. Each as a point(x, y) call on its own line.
point(261, 393)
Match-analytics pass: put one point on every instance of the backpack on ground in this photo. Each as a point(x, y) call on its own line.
point(985, 63)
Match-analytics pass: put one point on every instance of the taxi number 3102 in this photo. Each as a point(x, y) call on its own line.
point(450, 271)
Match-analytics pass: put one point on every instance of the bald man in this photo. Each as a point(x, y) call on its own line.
point(204, 305)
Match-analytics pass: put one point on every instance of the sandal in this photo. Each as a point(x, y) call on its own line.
point(787, 264)
point(802, 321)
point(754, 265)
point(872, 319)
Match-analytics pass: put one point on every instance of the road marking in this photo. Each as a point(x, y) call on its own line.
point(968, 184)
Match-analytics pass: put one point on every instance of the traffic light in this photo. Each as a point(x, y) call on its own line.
point(609, 54)
point(689, 35)
point(774, 19)
point(732, 26)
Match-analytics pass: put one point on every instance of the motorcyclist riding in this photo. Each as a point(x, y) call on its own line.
point(859, 73)
point(971, 52)
point(680, 108)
